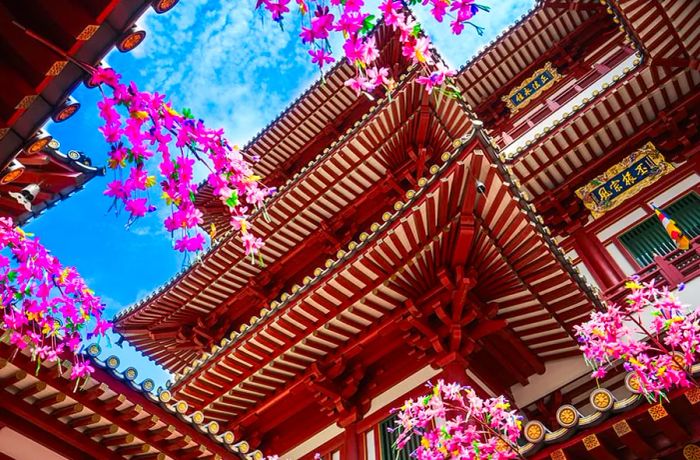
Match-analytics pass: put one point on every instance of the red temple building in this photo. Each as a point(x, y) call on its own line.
point(421, 237)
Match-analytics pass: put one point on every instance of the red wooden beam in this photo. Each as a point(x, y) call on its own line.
point(89, 398)
point(48, 431)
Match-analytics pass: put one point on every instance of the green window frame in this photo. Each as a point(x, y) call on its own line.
point(387, 440)
point(649, 238)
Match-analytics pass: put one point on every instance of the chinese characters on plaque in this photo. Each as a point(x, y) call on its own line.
point(532, 88)
point(623, 180)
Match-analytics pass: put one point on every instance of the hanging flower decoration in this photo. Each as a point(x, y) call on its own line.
point(659, 352)
point(150, 130)
point(45, 307)
point(321, 18)
point(452, 422)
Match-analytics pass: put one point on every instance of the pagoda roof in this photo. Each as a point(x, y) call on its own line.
point(59, 175)
point(634, 108)
point(353, 164)
point(36, 79)
point(109, 416)
point(311, 112)
point(616, 421)
point(510, 57)
point(306, 126)
point(518, 270)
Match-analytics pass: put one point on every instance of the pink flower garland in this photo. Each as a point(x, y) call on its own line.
point(152, 128)
point(45, 307)
point(659, 354)
point(349, 19)
point(452, 422)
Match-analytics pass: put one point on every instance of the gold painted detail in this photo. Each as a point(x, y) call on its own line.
point(622, 428)
point(693, 395)
point(590, 442)
point(657, 412)
point(26, 102)
point(632, 382)
point(3, 132)
point(602, 399)
point(567, 416)
point(181, 407)
point(534, 431)
point(56, 68)
point(531, 88)
point(558, 455)
point(639, 170)
point(691, 452)
point(88, 32)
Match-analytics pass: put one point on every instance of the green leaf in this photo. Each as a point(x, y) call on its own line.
point(368, 24)
point(187, 113)
point(12, 276)
point(232, 201)
point(416, 30)
point(193, 197)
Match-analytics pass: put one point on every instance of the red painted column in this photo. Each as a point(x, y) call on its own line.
point(597, 259)
point(455, 372)
point(351, 449)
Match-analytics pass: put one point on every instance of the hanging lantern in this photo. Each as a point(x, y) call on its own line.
point(39, 142)
point(162, 6)
point(25, 196)
point(12, 172)
point(66, 110)
point(131, 39)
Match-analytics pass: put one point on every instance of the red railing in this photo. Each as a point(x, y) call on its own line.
point(670, 270)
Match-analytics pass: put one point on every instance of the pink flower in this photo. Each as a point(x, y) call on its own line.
point(377, 76)
point(105, 75)
point(389, 9)
point(277, 9)
point(190, 244)
point(320, 57)
point(251, 244)
point(81, 370)
point(659, 359)
point(359, 84)
point(137, 207)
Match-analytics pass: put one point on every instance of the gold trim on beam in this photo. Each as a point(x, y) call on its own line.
point(622, 428)
point(87, 32)
point(541, 80)
point(657, 412)
point(56, 68)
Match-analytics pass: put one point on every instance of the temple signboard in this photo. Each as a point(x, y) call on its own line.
point(532, 88)
point(610, 189)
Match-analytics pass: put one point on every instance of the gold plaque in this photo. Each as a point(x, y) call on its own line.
point(532, 88)
point(640, 169)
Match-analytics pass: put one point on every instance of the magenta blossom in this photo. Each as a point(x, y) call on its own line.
point(453, 422)
point(658, 351)
point(320, 57)
point(46, 308)
point(152, 127)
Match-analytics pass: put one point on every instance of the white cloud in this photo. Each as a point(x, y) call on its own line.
point(237, 69)
point(223, 62)
point(458, 49)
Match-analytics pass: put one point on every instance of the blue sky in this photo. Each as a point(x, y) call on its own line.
point(235, 72)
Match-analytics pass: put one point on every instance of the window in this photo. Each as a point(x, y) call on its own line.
point(387, 440)
point(649, 238)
